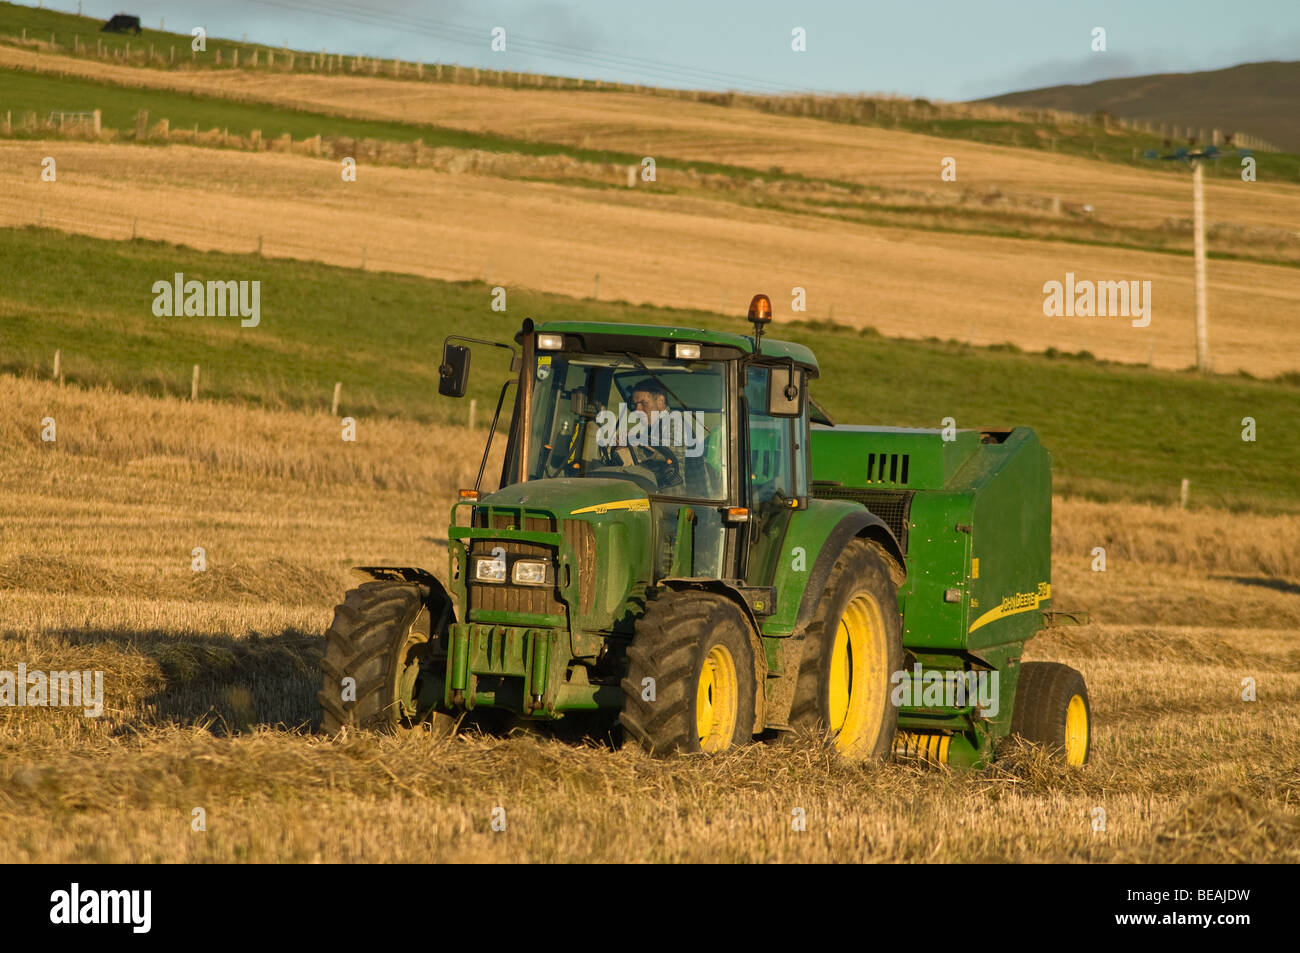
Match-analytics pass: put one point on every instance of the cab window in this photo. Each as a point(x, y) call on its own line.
point(770, 443)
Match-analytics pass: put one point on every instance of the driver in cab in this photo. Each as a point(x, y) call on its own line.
point(666, 463)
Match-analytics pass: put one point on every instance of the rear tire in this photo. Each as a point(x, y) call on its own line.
point(690, 682)
point(1052, 710)
point(381, 637)
point(852, 647)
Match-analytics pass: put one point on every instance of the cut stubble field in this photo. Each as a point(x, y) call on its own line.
point(700, 132)
point(659, 249)
point(210, 677)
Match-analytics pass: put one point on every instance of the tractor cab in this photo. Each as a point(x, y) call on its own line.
point(705, 430)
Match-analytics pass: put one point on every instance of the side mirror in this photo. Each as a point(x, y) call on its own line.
point(453, 374)
point(785, 392)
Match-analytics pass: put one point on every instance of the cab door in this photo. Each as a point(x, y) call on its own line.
point(775, 468)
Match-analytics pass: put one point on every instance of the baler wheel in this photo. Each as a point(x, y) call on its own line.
point(853, 646)
point(381, 638)
point(1052, 710)
point(690, 683)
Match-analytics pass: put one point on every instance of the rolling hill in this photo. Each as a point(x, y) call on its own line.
point(1259, 98)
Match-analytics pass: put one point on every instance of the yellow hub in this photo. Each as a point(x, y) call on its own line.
point(1076, 731)
point(716, 700)
point(857, 682)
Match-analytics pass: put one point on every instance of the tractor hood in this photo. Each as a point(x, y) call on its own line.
point(573, 496)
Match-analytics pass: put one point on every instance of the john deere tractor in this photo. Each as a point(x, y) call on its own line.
point(681, 542)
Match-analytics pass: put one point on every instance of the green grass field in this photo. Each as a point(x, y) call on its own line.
point(1116, 432)
point(40, 23)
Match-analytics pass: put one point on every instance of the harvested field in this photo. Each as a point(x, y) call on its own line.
point(647, 248)
point(680, 129)
point(210, 678)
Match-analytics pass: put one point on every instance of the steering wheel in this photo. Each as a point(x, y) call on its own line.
point(635, 474)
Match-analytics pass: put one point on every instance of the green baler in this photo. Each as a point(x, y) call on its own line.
point(973, 510)
point(682, 546)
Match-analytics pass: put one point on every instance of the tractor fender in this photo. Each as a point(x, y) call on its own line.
point(442, 609)
point(858, 524)
point(722, 588)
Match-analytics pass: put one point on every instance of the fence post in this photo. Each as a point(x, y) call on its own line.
point(334, 407)
point(194, 384)
point(58, 363)
point(1183, 493)
point(473, 412)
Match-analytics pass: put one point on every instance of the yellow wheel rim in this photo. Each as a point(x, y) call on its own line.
point(1076, 731)
point(716, 700)
point(856, 686)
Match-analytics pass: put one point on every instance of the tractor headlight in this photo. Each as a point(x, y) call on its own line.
point(529, 572)
point(490, 569)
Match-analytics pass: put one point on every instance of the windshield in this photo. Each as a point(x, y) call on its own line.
point(659, 423)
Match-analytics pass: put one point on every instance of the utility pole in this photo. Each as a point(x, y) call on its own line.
point(1197, 158)
point(1198, 252)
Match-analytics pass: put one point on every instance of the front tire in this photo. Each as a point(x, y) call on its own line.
point(385, 639)
point(853, 646)
point(690, 682)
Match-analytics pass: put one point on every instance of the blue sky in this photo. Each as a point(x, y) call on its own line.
point(948, 49)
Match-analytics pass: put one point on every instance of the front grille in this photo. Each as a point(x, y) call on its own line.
point(506, 597)
point(892, 506)
point(532, 524)
point(582, 539)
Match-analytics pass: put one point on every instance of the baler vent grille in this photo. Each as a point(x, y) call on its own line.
point(887, 468)
point(892, 506)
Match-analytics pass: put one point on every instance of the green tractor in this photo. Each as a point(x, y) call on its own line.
point(684, 544)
